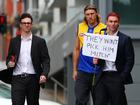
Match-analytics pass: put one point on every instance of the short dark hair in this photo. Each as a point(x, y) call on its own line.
point(25, 15)
point(113, 14)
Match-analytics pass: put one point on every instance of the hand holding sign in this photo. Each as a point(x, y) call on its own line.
point(95, 61)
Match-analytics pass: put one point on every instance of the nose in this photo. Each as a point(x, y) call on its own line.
point(90, 16)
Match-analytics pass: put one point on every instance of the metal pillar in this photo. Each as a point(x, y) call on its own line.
point(70, 82)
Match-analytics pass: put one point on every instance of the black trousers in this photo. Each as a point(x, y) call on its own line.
point(110, 89)
point(83, 88)
point(25, 87)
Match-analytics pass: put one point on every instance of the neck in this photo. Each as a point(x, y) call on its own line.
point(92, 24)
point(111, 32)
point(26, 34)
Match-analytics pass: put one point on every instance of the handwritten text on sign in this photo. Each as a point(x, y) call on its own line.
point(100, 46)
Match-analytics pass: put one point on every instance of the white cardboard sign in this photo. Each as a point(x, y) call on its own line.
point(100, 46)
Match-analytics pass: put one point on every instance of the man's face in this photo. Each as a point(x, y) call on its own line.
point(26, 25)
point(112, 23)
point(91, 16)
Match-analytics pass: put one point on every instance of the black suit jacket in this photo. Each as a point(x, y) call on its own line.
point(124, 59)
point(39, 55)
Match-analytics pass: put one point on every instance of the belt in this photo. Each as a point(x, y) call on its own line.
point(24, 75)
point(86, 73)
point(110, 72)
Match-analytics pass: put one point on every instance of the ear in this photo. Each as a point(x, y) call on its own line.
point(99, 16)
point(106, 22)
point(20, 25)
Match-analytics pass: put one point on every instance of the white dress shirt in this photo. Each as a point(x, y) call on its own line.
point(24, 63)
point(109, 65)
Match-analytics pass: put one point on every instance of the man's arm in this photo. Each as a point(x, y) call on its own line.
point(45, 58)
point(10, 60)
point(129, 57)
point(76, 53)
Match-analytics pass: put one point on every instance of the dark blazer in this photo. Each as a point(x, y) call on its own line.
point(39, 55)
point(124, 60)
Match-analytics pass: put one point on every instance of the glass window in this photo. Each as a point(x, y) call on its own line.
point(128, 10)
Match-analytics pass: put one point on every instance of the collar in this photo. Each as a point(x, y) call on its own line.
point(27, 38)
point(84, 21)
point(115, 34)
point(92, 26)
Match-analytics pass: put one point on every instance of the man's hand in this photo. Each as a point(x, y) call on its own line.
point(11, 64)
point(95, 61)
point(42, 79)
point(74, 75)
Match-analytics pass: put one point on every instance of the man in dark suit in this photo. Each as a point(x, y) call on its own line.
point(114, 75)
point(29, 61)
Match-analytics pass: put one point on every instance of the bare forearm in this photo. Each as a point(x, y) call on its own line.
point(75, 63)
point(76, 53)
point(75, 59)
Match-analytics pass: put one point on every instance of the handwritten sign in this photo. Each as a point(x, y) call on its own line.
point(100, 46)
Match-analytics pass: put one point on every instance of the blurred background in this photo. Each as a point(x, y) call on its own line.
point(56, 21)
